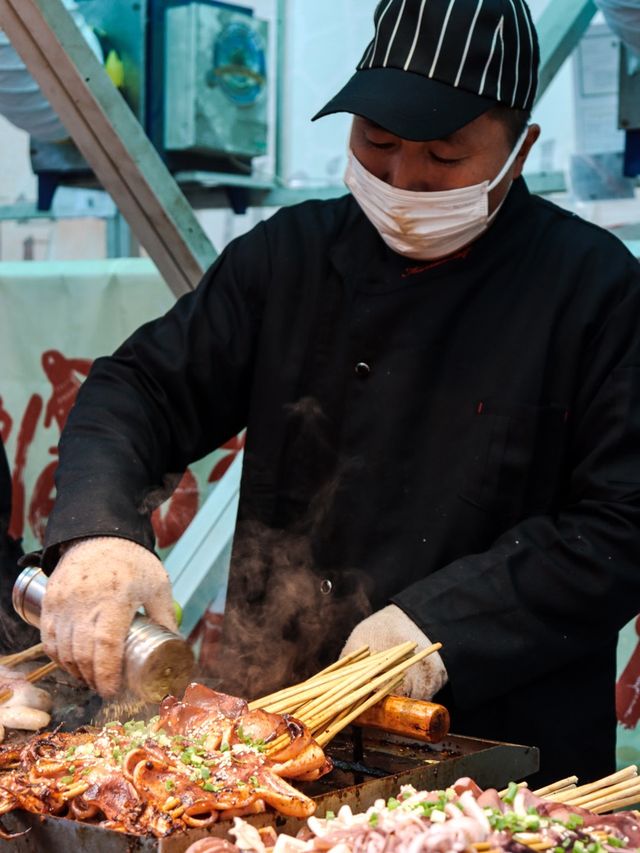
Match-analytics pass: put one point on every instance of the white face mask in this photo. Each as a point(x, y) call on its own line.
point(425, 225)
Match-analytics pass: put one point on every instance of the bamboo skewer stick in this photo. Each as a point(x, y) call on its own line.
point(352, 657)
point(556, 787)
point(316, 685)
point(341, 694)
point(607, 781)
point(324, 737)
point(21, 657)
point(345, 687)
point(377, 682)
point(610, 795)
point(618, 804)
point(580, 799)
point(358, 673)
point(329, 673)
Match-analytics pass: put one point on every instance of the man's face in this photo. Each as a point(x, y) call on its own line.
point(474, 153)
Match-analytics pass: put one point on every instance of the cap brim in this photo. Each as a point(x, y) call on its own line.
point(407, 104)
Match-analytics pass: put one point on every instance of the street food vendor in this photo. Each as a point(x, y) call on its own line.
point(439, 374)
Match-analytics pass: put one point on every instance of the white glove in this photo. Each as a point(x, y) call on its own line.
point(90, 601)
point(390, 627)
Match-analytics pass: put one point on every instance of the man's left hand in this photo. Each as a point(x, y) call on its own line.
point(390, 627)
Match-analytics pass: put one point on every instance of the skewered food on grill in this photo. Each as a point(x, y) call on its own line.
point(205, 757)
point(22, 705)
point(462, 818)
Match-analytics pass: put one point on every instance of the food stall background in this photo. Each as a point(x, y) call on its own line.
point(68, 295)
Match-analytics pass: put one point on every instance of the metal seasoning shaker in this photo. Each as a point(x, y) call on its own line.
point(156, 661)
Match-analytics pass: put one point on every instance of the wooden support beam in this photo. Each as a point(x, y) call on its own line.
point(560, 28)
point(110, 138)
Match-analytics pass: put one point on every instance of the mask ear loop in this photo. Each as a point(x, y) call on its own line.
point(510, 161)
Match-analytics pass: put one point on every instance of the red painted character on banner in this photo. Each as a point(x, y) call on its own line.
point(25, 439)
point(6, 422)
point(233, 446)
point(66, 375)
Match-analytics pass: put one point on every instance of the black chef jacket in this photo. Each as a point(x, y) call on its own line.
point(459, 437)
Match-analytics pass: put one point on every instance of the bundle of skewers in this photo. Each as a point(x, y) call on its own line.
point(617, 791)
point(344, 691)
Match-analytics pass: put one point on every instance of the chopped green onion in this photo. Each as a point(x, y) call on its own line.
point(512, 790)
point(169, 784)
point(373, 819)
point(573, 822)
point(330, 815)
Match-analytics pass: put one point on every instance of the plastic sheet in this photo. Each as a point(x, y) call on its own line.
point(21, 100)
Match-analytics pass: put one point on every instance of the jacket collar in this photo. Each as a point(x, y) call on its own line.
point(360, 253)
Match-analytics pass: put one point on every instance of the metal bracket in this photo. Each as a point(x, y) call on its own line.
point(110, 138)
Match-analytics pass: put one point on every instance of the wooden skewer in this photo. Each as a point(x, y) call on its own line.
point(21, 657)
point(39, 673)
point(330, 673)
point(617, 804)
point(36, 675)
point(312, 687)
point(556, 787)
point(329, 733)
point(380, 680)
point(349, 699)
point(357, 655)
point(349, 684)
point(585, 800)
point(286, 699)
point(607, 781)
point(310, 691)
point(611, 795)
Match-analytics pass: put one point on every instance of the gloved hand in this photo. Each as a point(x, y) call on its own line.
point(390, 627)
point(90, 601)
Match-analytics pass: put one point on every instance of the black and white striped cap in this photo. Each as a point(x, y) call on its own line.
point(435, 65)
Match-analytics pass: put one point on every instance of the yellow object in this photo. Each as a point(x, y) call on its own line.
point(178, 611)
point(115, 69)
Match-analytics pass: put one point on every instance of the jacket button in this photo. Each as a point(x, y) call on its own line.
point(362, 369)
point(326, 586)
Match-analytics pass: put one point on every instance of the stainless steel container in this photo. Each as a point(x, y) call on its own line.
point(156, 661)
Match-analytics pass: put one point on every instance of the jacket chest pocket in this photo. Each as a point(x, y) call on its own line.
point(515, 458)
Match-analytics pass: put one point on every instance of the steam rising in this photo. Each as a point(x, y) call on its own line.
point(286, 616)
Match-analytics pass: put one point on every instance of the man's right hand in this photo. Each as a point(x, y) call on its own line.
point(90, 601)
